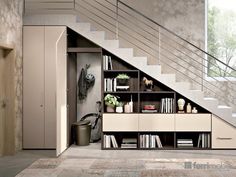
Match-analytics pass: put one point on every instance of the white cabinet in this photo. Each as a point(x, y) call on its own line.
point(156, 122)
point(193, 122)
point(120, 122)
point(223, 134)
point(44, 48)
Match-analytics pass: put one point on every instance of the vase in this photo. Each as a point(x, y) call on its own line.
point(119, 109)
point(110, 109)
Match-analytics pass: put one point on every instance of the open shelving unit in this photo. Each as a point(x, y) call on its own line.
point(163, 128)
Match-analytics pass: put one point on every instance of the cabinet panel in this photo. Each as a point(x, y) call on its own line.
point(53, 34)
point(193, 122)
point(223, 134)
point(120, 122)
point(33, 87)
point(156, 122)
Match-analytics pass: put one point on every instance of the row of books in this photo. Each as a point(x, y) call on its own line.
point(109, 141)
point(167, 105)
point(110, 85)
point(204, 140)
point(184, 143)
point(107, 63)
point(150, 141)
point(129, 143)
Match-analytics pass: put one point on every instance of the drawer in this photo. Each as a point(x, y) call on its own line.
point(156, 122)
point(223, 134)
point(120, 122)
point(193, 122)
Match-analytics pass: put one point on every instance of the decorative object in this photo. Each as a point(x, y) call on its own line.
point(111, 101)
point(131, 104)
point(122, 79)
point(148, 84)
point(194, 110)
point(181, 104)
point(119, 108)
point(127, 108)
point(189, 108)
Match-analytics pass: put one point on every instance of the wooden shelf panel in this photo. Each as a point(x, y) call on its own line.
point(83, 50)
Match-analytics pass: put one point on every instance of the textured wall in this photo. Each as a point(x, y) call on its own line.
point(11, 33)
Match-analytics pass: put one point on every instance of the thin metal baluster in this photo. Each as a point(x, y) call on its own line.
point(117, 16)
point(159, 45)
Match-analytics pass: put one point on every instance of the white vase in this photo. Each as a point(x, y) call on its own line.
point(119, 109)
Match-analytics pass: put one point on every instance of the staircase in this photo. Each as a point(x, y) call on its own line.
point(168, 50)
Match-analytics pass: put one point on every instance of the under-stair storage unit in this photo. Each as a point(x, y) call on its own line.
point(44, 87)
point(154, 121)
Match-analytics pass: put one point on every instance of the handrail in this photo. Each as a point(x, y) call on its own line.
point(174, 34)
point(157, 42)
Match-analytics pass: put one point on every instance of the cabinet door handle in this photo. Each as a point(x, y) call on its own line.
point(224, 138)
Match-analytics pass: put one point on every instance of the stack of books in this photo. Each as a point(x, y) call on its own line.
point(184, 143)
point(204, 140)
point(150, 141)
point(109, 141)
point(149, 109)
point(129, 143)
point(167, 105)
point(107, 63)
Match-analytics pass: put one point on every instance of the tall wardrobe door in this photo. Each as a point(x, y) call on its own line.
point(61, 70)
point(53, 36)
point(33, 87)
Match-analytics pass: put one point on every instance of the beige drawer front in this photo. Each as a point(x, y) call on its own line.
point(223, 134)
point(156, 122)
point(120, 122)
point(193, 122)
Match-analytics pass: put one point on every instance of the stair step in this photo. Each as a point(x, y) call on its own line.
point(97, 35)
point(224, 107)
point(140, 61)
point(111, 43)
point(211, 102)
point(167, 79)
point(183, 85)
point(84, 26)
point(124, 53)
point(234, 115)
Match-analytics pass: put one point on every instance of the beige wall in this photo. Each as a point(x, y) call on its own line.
point(11, 33)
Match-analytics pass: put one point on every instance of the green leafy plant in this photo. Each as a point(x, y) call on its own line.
point(122, 76)
point(111, 100)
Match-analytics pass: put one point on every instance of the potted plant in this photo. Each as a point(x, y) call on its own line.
point(111, 101)
point(119, 107)
point(122, 79)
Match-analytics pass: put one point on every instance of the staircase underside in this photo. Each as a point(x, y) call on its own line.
point(126, 54)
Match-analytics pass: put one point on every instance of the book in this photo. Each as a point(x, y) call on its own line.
point(185, 141)
point(149, 111)
point(114, 142)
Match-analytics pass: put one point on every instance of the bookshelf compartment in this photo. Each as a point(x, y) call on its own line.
point(156, 122)
point(162, 102)
point(156, 140)
point(120, 140)
point(125, 97)
point(111, 83)
point(193, 140)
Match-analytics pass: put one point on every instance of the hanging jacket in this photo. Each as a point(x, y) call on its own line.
point(82, 85)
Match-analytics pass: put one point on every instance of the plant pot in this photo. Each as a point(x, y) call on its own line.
point(119, 109)
point(110, 109)
point(123, 82)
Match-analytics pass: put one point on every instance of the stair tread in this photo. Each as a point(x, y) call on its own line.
point(209, 98)
point(223, 106)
